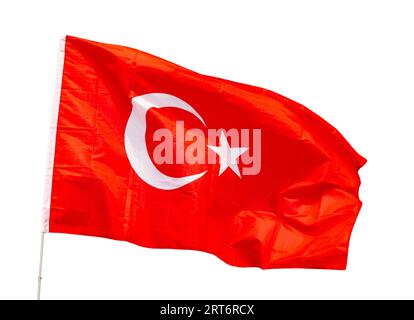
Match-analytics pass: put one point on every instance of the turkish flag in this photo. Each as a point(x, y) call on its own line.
point(149, 152)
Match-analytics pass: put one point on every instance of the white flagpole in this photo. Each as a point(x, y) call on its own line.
point(51, 157)
point(39, 277)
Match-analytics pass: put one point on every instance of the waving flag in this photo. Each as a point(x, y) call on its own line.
point(149, 152)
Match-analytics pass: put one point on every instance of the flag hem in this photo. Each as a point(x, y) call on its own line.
point(52, 138)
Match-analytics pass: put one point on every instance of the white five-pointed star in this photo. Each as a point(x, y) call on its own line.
point(228, 155)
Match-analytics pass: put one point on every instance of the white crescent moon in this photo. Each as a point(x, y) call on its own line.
point(135, 144)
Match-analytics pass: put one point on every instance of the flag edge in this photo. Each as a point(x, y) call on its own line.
point(52, 137)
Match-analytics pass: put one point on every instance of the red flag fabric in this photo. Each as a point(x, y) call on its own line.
point(149, 152)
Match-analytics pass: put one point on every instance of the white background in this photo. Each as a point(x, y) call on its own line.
point(352, 62)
